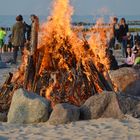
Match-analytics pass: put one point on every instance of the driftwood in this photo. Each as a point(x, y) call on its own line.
point(5, 93)
point(30, 72)
point(6, 86)
point(31, 64)
point(36, 77)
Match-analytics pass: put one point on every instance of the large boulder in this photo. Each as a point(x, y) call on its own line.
point(28, 108)
point(136, 111)
point(102, 105)
point(64, 113)
point(3, 65)
point(126, 80)
point(129, 105)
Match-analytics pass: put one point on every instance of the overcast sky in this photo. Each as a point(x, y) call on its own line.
point(82, 7)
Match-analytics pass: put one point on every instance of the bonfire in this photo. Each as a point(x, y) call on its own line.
point(65, 67)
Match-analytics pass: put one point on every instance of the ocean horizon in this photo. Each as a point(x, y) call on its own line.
point(9, 20)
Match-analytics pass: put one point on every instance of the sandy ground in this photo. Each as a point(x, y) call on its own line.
point(4, 72)
point(101, 129)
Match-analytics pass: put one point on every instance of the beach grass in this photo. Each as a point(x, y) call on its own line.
point(134, 29)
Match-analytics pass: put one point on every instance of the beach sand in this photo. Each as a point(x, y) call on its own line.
point(101, 129)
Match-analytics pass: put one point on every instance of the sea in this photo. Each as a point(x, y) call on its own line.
point(9, 20)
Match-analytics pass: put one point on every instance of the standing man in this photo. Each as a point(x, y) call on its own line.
point(115, 32)
point(18, 36)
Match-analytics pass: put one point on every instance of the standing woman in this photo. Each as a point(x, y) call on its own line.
point(123, 30)
point(18, 36)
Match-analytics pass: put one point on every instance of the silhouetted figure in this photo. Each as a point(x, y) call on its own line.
point(113, 61)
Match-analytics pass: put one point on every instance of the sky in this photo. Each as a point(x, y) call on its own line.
point(81, 7)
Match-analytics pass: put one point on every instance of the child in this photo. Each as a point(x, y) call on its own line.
point(130, 59)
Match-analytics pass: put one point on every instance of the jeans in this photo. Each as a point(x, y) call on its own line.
point(15, 52)
point(124, 48)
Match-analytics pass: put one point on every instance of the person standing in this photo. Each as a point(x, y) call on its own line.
point(115, 33)
point(2, 37)
point(18, 36)
point(123, 30)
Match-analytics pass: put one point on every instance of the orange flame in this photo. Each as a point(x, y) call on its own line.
point(61, 48)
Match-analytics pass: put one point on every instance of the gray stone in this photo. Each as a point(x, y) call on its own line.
point(136, 111)
point(3, 117)
point(28, 108)
point(126, 80)
point(103, 105)
point(129, 105)
point(64, 113)
point(3, 65)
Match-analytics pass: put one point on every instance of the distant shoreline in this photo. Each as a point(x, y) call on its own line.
point(88, 25)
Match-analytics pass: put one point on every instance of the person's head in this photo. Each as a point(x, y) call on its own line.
point(129, 51)
point(109, 52)
point(33, 17)
point(2, 28)
point(128, 34)
point(19, 18)
point(123, 21)
point(115, 19)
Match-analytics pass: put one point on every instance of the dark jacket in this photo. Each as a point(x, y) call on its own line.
point(122, 32)
point(113, 63)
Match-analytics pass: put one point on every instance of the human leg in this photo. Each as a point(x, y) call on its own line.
point(15, 53)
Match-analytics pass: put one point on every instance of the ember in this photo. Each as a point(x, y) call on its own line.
point(64, 68)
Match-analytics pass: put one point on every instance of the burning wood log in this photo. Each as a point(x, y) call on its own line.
point(66, 70)
point(36, 77)
point(34, 34)
point(5, 93)
point(6, 86)
point(30, 72)
point(31, 63)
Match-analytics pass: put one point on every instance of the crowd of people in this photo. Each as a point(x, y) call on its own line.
point(20, 35)
point(130, 44)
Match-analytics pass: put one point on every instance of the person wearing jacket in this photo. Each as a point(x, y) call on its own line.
point(18, 36)
point(123, 30)
point(2, 37)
